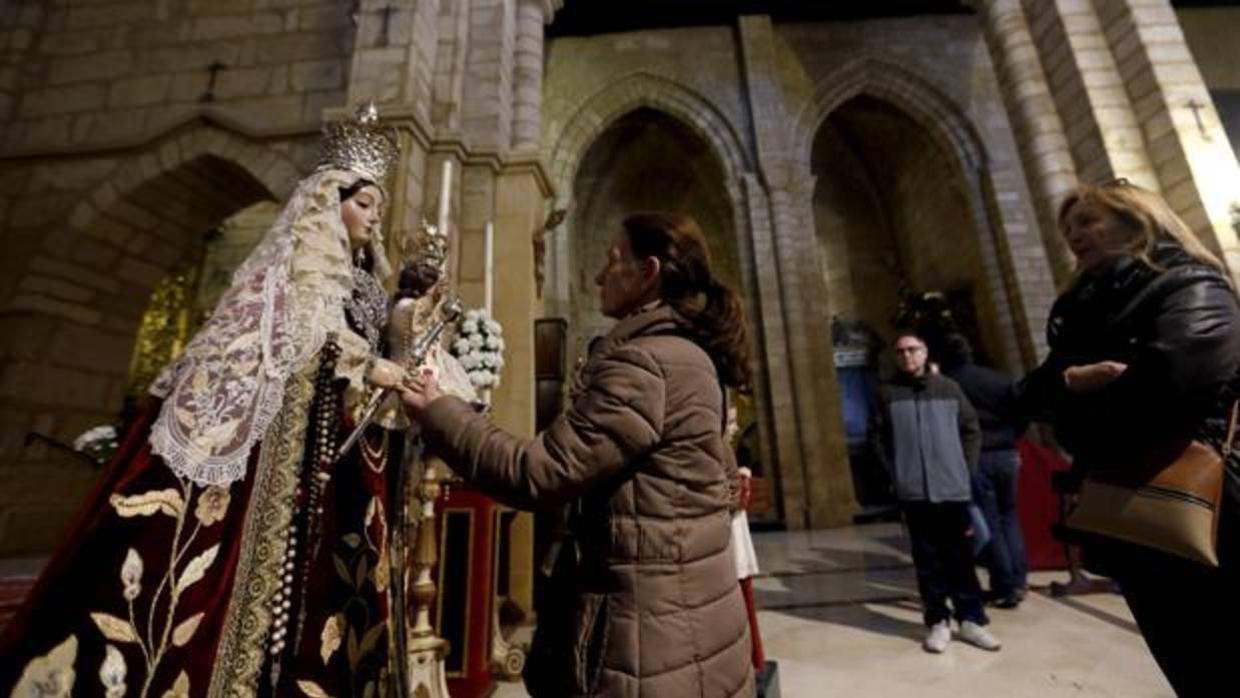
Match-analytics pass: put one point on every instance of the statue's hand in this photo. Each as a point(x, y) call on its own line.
point(385, 374)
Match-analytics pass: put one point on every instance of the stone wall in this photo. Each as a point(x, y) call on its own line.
point(109, 72)
point(1211, 33)
point(89, 238)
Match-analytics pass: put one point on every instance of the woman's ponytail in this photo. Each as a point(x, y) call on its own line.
point(690, 287)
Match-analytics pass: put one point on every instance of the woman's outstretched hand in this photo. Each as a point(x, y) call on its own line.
point(418, 391)
point(1092, 377)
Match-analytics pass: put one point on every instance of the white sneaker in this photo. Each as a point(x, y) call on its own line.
point(978, 636)
point(936, 640)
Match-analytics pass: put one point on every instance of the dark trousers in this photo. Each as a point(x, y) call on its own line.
point(943, 556)
point(1187, 612)
point(994, 490)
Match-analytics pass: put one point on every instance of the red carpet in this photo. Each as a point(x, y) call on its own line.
point(1039, 505)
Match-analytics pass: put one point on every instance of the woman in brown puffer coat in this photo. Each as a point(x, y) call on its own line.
point(651, 606)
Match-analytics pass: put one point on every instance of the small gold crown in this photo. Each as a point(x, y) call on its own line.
point(431, 245)
point(359, 144)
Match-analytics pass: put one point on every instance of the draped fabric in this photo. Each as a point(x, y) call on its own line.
point(150, 588)
point(286, 298)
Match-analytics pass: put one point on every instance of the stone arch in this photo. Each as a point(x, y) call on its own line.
point(951, 130)
point(87, 282)
point(609, 104)
point(275, 172)
point(632, 92)
point(916, 96)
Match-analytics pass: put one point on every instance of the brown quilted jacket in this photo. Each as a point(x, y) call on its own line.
point(651, 607)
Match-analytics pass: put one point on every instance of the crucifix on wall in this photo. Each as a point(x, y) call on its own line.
point(554, 219)
point(214, 70)
point(1201, 126)
point(385, 30)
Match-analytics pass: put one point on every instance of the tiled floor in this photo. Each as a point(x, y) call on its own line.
point(842, 619)
point(840, 616)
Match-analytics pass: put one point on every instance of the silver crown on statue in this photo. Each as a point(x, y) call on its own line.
point(431, 245)
point(359, 144)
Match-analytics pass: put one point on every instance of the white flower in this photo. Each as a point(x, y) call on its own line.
point(93, 435)
point(476, 341)
point(494, 327)
point(460, 346)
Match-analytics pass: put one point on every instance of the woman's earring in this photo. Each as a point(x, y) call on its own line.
point(359, 257)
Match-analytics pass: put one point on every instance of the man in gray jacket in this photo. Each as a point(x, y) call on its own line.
point(928, 436)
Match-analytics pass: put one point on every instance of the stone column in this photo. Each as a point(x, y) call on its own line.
point(807, 312)
point(487, 106)
point(1039, 133)
point(527, 77)
point(818, 474)
point(1096, 111)
point(1184, 138)
point(394, 54)
point(774, 383)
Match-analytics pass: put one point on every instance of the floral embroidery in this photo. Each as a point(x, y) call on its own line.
point(51, 675)
point(114, 628)
point(212, 505)
point(163, 501)
point(158, 635)
point(180, 687)
point(131, 575)
point(331, 637)
point(186, 629)
point(312, 689)
point(112, 673)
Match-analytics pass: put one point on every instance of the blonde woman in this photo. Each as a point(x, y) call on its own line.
point(1164, 371)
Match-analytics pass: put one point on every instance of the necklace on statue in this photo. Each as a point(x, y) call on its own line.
point(367, 306)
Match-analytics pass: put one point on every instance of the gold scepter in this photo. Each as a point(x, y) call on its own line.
point(448, 313)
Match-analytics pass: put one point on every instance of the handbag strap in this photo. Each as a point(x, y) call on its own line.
point(1231, 430)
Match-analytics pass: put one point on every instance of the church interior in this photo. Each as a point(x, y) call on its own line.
point(846, 162)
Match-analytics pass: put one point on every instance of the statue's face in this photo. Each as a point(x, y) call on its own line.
point(361, 213)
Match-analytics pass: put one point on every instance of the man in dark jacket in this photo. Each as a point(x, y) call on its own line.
point(993, 395)
point(929, 438)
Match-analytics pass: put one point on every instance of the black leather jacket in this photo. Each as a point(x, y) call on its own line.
point(1178, 330)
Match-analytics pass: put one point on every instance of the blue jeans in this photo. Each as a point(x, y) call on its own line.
point(995, 492)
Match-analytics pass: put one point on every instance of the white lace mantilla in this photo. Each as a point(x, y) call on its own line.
point(288, 295)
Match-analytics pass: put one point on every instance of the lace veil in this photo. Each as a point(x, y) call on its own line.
point(288, 295)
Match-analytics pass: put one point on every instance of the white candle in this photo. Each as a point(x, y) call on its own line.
point(489, 287)
point(445, 194)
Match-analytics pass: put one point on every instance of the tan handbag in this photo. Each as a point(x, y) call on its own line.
point(1166, 499)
